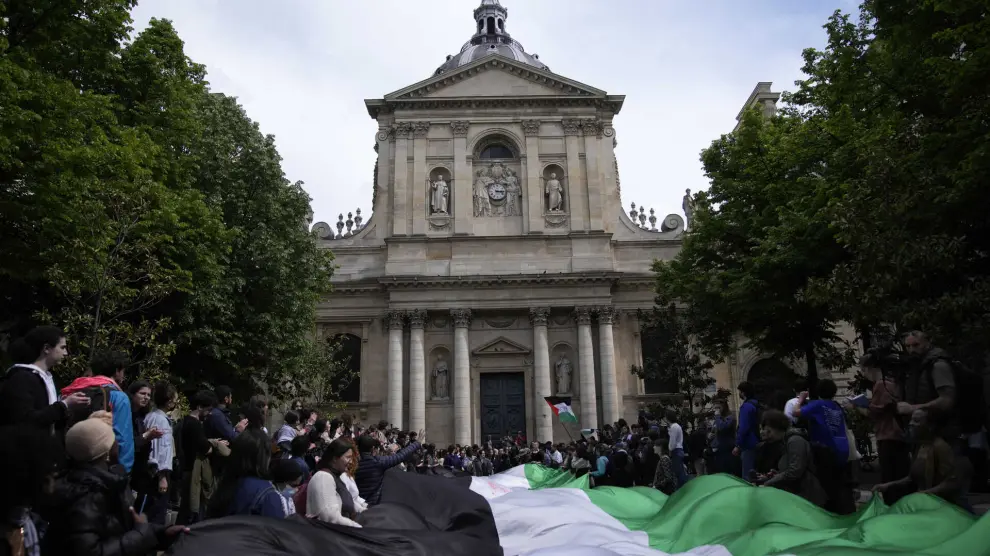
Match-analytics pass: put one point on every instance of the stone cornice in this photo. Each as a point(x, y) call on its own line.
point(474, 103)
point(415, 282)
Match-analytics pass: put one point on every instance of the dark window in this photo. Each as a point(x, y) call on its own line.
point(501, 25)
point(349, 384)
point(491, 25)
point(651, 339)
point(481, 25)
point(774, 382)
point(496, 151)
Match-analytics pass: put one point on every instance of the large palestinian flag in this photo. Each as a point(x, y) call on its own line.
point(532, 510)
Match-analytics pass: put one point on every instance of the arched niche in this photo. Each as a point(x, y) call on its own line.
point(563, 354)
point(773, 382)
point(554, 181)
point(347, 384)
point(496, 144)
point(439, 192)
point(439, 369)
point(496, 181)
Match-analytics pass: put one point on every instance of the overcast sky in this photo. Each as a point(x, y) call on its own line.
point(303, 68)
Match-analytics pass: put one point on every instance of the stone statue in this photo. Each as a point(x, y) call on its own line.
point(688, 205)
point(555, 194)
point(440, 381)
point(440, 196)
point(513, 193)
point(482, 204)
point(563, 370)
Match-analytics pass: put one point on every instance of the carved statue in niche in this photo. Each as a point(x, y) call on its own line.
point(440, 195)
point(555, 194)
point(482, 204)
point(688, 205)
point(513, 193)
point(563, 371)
point(440, 382)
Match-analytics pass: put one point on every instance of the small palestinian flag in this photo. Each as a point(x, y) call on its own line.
point(562, 408)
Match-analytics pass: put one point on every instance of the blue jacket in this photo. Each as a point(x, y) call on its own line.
point(371, 472)
point(123, 427)
point(256, 496)
point(747, 435)
point(217, 425)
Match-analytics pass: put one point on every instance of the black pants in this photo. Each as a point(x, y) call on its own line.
point(895, 464)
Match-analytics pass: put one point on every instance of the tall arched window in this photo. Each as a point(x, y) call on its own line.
point(495, 150)
point(347, 384)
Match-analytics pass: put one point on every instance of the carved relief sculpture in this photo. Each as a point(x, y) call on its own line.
point(441, 381)
point(563, 370)
point(482, 204)
point(440, 196)
point(513, 193)
point(497, 191)
point(688, 205)
point(555, 194)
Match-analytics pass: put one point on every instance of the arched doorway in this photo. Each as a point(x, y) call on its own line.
point(348, 384)
point(773, 382)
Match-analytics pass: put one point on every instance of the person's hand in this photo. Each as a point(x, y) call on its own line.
point(162, 485)
point(241, 425)
point(223, 443)
point(138, 518)
point(803, 395)
point(76, 400)
point(421, 436)
point(153, 433)
point(735, 451)
point(881, 488)
point(175, 531)
point(905, 408)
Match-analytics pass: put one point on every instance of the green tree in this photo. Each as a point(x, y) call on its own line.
point(759, 237)
point(904, 92)
point(678, 360)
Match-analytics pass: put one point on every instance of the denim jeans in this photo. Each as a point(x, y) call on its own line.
point(748, 464)
point(677, 463)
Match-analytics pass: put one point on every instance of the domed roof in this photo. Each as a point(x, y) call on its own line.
point(490, 39)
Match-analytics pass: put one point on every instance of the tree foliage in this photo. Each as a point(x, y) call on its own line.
point(676, 358)
point(141, 211)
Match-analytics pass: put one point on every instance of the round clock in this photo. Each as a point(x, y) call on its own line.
point(496, 191)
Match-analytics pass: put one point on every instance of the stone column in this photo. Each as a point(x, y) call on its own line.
point(586, 369)
point(417, 371)
point(462, 184)
point(420, 203)
point(462, 377)
point(384, 147)
point(541, 367)
point(532, 202)
point(401, 209)
point(394, 321)
point(606, 350)
point(577, 191)
point(592, 128)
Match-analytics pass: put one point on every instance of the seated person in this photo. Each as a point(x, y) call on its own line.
point(794, 471)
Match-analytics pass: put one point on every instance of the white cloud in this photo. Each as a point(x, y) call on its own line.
point(302, 69)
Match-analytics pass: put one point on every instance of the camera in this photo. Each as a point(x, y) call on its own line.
point(889, 358)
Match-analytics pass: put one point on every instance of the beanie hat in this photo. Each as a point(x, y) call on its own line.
point(89, 440)
point(104, 416)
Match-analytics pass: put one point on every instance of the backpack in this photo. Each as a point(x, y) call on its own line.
point(99, 400)
point(971, 402)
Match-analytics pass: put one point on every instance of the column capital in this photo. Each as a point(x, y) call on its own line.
point(538, 316)
point(417, 318)
point(460, 128)
point(402, 130)
point(531, 127)
point(571, 127)
point(582, 315)
point(394, 320)
point(420, 129)
point(592, 127)
point(461, 317)
point(606, 314)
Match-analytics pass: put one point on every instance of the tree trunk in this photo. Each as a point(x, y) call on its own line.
point(812, 363)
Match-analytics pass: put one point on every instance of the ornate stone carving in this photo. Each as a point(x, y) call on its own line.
point(582, 315)
point(591, 128)
point(538, 316)
point(496, 191)
point(688, 205)
point(441, 379)
point(461, 317)
point(609, 131)
point(555, 220)
point(417, 318)
point(672, 223)
point(460, 128)
point(562, 368)
point(554, 191)
point(531, 127)
point(561, 319)
point(500, 322)
point(571, 127)
point(323, 230)
point(439, 196)
point(403, 130)
point(395, 320)
point(439, 222)
point(420, 129)
point(383, 135)
point(606, 314)
point(439, 322)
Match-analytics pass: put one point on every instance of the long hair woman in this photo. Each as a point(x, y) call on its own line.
point(245, 488)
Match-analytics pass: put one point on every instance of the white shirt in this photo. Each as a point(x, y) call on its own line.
point(789, 408)
point(676, 437)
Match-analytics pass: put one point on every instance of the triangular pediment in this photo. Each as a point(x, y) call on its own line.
point(495, 76)
point(501, 346)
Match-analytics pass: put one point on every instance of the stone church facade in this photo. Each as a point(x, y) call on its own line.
point(499, 266)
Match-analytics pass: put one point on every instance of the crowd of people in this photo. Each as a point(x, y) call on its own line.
point(108, 466)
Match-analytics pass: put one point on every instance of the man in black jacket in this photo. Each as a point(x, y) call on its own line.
point(28, 395)
point(371, 468)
